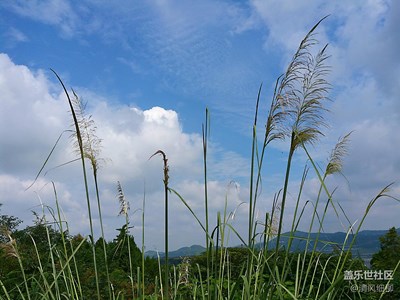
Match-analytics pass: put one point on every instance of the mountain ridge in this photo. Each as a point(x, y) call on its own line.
point(367, 243)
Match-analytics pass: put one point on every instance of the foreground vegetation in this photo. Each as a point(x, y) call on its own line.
point(44, 262)
point(39, 250)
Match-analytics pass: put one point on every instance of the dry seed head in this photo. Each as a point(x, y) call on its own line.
point(9, 248)
point(274, 128)
point(308, 101)
point(337, 154)
point(166, 167)
point(184, 271)
point(91, 144)
point(124, 204)
point(301, 91)
point(273, 225)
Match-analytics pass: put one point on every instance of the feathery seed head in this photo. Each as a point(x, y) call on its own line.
point(299, 96)
point(10, 247)
point(337, 154)
point(91, 143)
point(124, 204)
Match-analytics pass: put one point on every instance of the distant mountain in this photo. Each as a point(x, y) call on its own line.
point(367, 241)
point(181, 252)
point(366, 244)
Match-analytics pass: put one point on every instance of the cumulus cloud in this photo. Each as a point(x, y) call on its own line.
point(26, 100)
point(35, 112)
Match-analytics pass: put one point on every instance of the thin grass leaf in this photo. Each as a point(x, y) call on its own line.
point(47, 159)
point(166, 189)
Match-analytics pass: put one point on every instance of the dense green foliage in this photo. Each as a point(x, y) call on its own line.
point(8, 224)
point(388, 258)
point(40, 248)
point(389, 255)
point(35, 245)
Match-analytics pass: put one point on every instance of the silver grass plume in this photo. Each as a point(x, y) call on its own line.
point(309, 101)
point(300, 93)
point(91, 143)
point(123, 203)
point(276, 116)
point(335, 163)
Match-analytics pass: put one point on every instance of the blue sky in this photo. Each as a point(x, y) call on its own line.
point(148, 70)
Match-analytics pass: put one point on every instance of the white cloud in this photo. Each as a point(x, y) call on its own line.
point(14, 36)
point(32, 118)
point(53, 12)
point(287, 22)
point(130, 136)
point(26, 101)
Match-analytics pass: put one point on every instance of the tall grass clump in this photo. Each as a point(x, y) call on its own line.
point(296, 114)
point(83, 152)
point(124, 211)
point(87, 146)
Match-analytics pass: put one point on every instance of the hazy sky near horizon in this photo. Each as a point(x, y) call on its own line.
point(149, 69)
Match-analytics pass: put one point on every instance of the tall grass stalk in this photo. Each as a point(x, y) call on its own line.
point(91, 147)
point(124, 210)
point(334, 166)
point(205, 134)
point(75, 286)
point(143, 247)
point(166, 191)
point(306, 94)
point(337, 277)
point(82, 157)
point(12, 250)
point(47, 289)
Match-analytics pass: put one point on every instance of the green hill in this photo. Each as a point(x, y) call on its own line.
point(366, 244)
point(181, 252)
